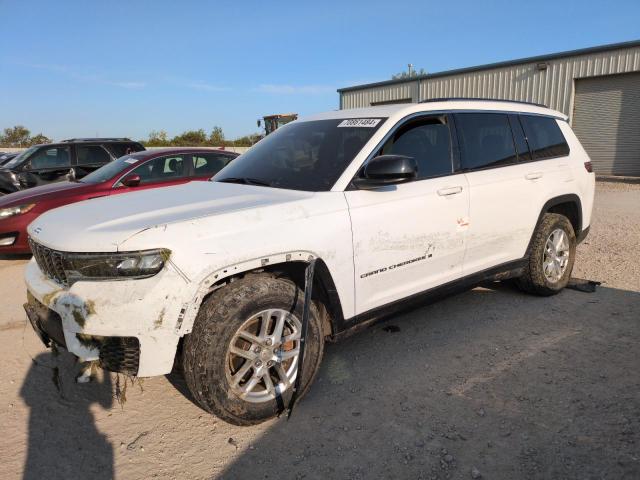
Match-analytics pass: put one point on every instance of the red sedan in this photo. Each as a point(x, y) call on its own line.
point(141, 170)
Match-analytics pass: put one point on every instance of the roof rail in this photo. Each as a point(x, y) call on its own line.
point(106, 139)
point(447, 99)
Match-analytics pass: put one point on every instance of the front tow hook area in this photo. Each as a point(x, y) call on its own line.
point(34, 320)
point(45, 322)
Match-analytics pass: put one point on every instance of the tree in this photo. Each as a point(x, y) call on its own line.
point(246, 141)
point(17, 136)
point(409, 74)
point(190, 138)
point(216, 139)
point(39, 139)
point(157, 139)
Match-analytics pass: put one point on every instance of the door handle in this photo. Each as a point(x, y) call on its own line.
point(445, 192)
point(533, 175)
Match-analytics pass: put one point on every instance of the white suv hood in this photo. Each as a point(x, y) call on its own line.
point(102, 224)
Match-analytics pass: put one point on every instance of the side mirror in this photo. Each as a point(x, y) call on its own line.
point(131, 180)
point(386, 170)
point(71, 176)
point(259, 123)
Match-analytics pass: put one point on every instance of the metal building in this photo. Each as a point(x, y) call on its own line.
point(598, 88)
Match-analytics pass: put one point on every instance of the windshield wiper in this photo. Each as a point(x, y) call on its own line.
point(245, 181)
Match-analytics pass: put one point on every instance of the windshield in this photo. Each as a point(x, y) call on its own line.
point(110, 170)
point(19, 158)
point(308, 156)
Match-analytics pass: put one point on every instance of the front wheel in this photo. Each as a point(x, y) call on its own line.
point(551, 256)
point(241, 359)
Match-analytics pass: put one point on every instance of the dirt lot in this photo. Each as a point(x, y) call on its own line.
point(490, 382)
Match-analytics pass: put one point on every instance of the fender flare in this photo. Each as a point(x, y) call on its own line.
point(190, 310)
point(567, 198)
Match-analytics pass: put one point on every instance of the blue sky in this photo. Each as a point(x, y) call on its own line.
point(124, 68)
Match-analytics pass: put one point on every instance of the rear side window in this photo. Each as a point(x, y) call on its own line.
point(427, 141)
point(544, 136)
point(92, 155)
point(208, 164)
point(485, 140)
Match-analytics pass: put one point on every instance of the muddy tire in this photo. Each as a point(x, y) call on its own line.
point(235, 331)
point(551, 256)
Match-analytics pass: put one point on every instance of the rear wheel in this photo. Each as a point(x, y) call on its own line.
point(241, 359)
point(551, 258)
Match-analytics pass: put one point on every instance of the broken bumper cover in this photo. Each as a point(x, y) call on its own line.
point(131, 326)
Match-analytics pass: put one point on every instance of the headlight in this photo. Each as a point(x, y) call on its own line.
point(17, 210)
point(114, 266)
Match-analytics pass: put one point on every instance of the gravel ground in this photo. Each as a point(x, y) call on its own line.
point(488, 384)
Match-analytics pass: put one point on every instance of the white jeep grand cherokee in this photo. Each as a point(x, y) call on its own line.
point(392, 205)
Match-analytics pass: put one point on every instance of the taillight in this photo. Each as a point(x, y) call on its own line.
point(588, 167)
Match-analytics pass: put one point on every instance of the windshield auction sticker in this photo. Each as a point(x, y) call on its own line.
point(360, 122)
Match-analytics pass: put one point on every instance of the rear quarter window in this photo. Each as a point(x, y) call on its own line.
point(544, 136)
point(208, 164)
point(121, 149)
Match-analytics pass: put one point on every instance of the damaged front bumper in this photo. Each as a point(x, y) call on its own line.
point(129, 326)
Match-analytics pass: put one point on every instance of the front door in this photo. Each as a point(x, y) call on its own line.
point(408, 238)
point(46, 165)
point(159, 172)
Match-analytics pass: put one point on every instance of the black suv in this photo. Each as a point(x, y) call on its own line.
point(55, 162)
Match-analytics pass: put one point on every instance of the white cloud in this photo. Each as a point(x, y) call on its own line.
point(206, 87)
point(295, 89)
point(131, 85)
point(82, 76)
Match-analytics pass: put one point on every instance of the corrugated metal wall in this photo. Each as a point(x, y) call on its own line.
point(552, 87)
point(367, 97)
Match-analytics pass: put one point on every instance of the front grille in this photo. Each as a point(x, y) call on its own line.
point(51, 262)
point(120, 354)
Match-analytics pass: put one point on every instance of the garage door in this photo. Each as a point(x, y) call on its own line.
point(606, 119)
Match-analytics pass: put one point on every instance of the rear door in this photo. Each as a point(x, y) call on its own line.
point(408, 238)
point(90, 158)
point(504, 188)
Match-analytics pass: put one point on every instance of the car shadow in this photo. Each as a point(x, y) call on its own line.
point(490, 382)
point(64, 441)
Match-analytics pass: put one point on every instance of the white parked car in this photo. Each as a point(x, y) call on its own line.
point(396, 204)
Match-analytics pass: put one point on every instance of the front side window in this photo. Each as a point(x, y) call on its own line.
point(92, 155)
point(545, 137)
point(426, 140)
point(485, 140)
point(307, 156)
point(162, 169)
point(208, 164)
point(21, 157)
point(50, 158)
point(110, 170)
